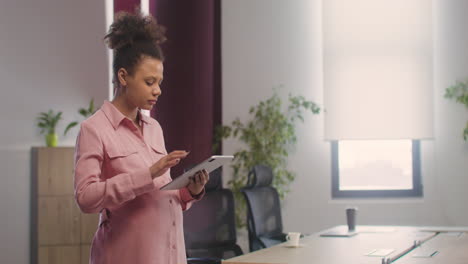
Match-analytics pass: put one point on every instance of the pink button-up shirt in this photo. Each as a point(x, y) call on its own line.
point(138, 222)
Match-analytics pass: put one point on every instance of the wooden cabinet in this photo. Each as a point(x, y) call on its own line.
point(60, 233)
point(60, 254)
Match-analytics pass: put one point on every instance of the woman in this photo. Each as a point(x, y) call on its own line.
point(121, 161)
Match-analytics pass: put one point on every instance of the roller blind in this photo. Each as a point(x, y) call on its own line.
point(377, 63)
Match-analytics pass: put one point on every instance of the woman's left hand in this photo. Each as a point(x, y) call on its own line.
point(198, 181)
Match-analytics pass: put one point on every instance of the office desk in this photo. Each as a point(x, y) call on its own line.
point(450, 248)
point(341, 250)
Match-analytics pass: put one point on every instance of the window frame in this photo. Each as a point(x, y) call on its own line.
point(417, 190)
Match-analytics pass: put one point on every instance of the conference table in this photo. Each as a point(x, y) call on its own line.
point(369, 245)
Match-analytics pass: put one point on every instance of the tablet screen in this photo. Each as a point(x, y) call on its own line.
point(210, 164)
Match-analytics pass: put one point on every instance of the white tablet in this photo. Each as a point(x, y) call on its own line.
point(209, 165)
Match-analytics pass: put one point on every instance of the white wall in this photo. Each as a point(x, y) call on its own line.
point(51, 57)
point(451, 157)
point(271, 42)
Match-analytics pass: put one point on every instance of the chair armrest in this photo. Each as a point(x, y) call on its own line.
point(279, 237)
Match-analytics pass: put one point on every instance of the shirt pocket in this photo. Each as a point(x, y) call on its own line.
point(115, 152)
point(158, 149)
point(123, 159)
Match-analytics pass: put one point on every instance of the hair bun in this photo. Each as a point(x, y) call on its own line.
point(128, 29)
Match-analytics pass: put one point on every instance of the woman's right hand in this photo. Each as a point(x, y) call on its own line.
point(167, 162)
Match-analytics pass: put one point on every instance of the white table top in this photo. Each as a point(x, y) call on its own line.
point(340, 250)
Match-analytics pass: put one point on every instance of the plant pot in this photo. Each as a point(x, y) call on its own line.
point(51, 140)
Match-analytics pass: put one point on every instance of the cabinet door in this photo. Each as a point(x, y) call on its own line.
point(58, 221)
point(89, 224)
point(59, 255)
point(85, 252)
point(55, 171)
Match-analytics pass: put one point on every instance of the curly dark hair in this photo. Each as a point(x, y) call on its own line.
point(132, 36)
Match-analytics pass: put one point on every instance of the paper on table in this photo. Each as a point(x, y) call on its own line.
point(424, 253)
point(339, 231)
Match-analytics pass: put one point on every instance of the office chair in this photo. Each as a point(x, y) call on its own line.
point(209, 225)
point(263, 209)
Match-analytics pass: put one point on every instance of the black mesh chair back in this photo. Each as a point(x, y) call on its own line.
point(263, 209)
point(209, 225)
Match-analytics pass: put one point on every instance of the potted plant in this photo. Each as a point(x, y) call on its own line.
point(459, 93)
point(47, 122)
point(268, 137)
point(85, 112)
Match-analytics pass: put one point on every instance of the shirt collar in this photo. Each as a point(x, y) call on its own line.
point(144, 118)
point(116, 117)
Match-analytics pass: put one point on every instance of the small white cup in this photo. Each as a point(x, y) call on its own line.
point(293, 239)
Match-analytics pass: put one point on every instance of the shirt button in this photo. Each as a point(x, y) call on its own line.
point(173, 223)
point(173, 247)
point(170, 201)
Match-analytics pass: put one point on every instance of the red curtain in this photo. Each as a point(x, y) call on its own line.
point(125, 5)
point(190, 105)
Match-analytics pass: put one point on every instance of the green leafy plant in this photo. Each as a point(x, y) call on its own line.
point(85, 112)
point(47, 121)
point(268, 136)
point(459, 93)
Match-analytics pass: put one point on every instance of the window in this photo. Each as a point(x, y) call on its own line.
point(376, 168)
point(378, 91)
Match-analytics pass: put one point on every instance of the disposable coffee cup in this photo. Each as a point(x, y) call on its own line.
point(351, 218)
